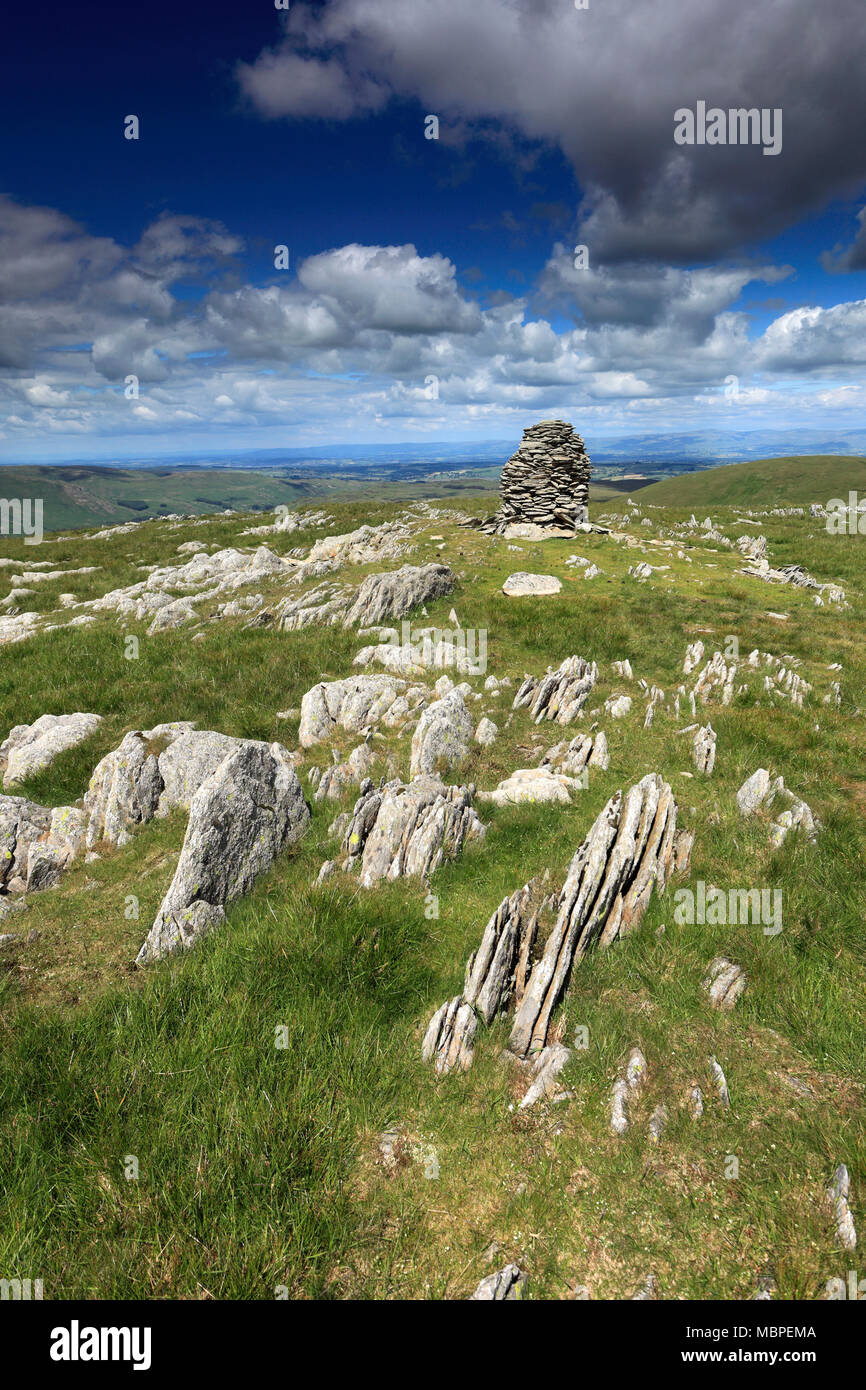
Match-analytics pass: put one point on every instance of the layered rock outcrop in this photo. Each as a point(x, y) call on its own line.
point(405, 829)
point(633, 848)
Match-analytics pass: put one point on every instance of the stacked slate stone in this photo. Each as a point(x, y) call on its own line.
point(546, 482)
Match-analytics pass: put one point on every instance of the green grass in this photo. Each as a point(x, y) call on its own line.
point(258, 1165)
point(763, 483)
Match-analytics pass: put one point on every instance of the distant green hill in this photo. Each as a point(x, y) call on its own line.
point(86, 496)
point(83, 495)
point(784, 482)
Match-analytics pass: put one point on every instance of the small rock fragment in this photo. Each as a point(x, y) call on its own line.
point(724, 983)
point(838, 1194)
point(658, 1121)
point(503, 1286)
point(545, 1070)
point(721, 1083)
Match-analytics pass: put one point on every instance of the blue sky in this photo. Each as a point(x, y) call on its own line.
point(432, 291)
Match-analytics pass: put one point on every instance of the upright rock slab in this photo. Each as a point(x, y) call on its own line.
point(499, 969)
point(239, 821)
point(704, 749)
point(724, 983)
point(838, 1194)
point(627, 1085)
point(443, 736)
point(574, 758)
point(495, 974)
point(633, 846)
point(449, 1037)
point(561, 694)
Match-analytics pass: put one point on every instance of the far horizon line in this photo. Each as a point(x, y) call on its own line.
point(342, 450)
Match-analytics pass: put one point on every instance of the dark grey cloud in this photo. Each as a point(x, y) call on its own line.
point(603, 84)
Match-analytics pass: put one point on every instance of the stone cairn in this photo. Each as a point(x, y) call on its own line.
point(546, 482)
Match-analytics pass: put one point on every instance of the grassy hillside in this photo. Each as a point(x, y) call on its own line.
point(763, 483)
point(81, 496)
point(260, 1168)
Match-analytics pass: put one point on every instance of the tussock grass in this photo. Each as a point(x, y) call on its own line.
point(258, 1164)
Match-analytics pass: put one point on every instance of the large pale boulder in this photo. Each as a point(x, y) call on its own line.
point(36, 843)
point(22, 823)
point(534, 784)
point(486, 732)
point(32, 747)
point(52, 853)
point(239, 821)
point(754, 792)
point(126, 785)
point(187, 762)
point(17, 627)
point(332, 781)
point(394, 594)
point(523, 585)
point(761, 793)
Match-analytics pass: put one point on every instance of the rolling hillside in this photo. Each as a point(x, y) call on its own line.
point(81, 496)
point(781, 482)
